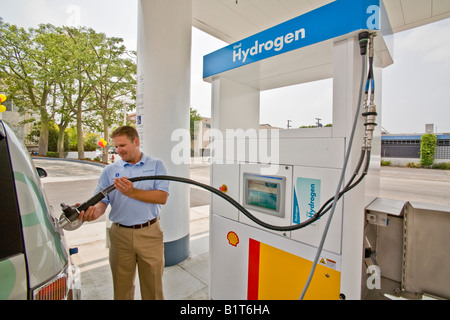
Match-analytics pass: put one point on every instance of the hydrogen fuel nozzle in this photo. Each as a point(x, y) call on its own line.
point(69, 218)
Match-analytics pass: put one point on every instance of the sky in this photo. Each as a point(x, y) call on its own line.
point(415, 89)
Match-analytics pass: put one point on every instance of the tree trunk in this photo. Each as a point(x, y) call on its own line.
point(60, 142)
point(106, 137)
point(80, 140)
point(43, 136)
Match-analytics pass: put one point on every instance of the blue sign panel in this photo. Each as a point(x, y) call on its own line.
point(306, 199)
point(333, 20)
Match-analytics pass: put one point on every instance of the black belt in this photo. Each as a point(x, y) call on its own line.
point(139, 226)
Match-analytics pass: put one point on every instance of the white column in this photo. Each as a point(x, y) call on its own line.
point(346, 85)
point(163, 100)
point(234, 105)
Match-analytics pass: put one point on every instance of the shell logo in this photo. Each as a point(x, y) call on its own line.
point(233, 238)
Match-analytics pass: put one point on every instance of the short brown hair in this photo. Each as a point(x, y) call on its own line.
point(128, 131)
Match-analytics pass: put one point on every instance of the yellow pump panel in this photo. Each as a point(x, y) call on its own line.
point(277, 274)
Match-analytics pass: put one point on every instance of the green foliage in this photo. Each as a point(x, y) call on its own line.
point(442, 166)
point(66, 75)
point(412, 165)
point(52, 137)
point(194, 116)
point(90, 141)
point(71, 134)
point(385, 162)
point(52, 154)
point(428, 144)
point(53, 132)
point(328, 125)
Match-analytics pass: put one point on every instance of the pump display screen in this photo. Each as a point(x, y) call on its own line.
point(264, 194)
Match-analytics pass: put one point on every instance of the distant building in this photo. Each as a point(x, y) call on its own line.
point(16, 120)
point(204, 139)
point(408, 146)
point(268, 127)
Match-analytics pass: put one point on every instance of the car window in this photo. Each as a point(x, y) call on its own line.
point(11, 241)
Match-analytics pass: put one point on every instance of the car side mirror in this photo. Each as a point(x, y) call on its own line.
point(41, 172)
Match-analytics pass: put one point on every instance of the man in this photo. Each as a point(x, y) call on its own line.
point(136, 235)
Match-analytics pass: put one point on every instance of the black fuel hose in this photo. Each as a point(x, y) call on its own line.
point(71, 213)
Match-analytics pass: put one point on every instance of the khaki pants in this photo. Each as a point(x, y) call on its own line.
point(142, 246)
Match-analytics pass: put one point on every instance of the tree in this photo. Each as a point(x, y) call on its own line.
point(194, 116)
point(94, 76)
point(114, 79)
point(428, 144)
point(27, 67)
point(62, 73)
point(76, 58)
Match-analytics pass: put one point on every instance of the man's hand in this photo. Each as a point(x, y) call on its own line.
point(93, 212)
point(124, 185)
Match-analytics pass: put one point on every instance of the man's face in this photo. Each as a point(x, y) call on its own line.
point(128, 150)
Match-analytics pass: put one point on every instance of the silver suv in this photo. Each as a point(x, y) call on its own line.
point(35, 263)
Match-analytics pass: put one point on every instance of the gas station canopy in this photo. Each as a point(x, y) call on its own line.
point(233, 20)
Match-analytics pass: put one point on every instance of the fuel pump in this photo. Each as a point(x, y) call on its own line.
point(69, 221)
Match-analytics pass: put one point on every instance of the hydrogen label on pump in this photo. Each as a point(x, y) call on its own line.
point(306, 199)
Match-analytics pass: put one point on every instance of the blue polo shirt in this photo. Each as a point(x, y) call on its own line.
point(125, 210)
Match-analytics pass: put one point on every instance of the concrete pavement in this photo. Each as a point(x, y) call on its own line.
point(187, 280)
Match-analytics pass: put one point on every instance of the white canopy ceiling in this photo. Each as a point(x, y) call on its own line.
point(233, 20)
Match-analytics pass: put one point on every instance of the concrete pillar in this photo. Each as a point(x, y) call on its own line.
point(162, 105)
point(346, 85)
point(234, 105)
